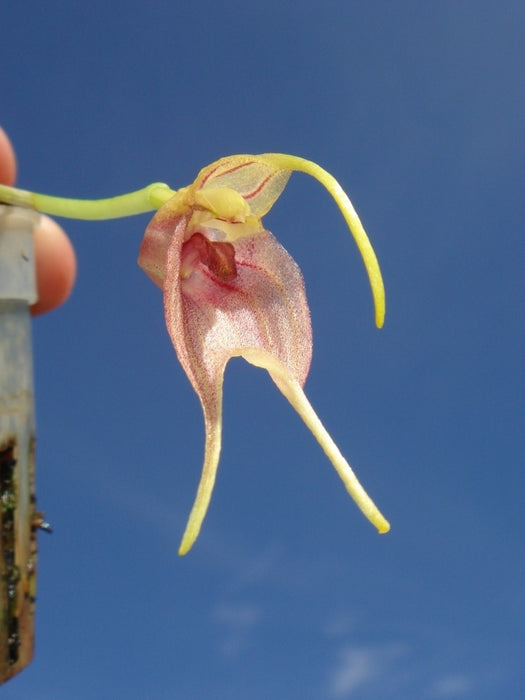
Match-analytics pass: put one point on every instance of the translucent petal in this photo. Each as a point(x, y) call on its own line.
point(259, 181)
point(262, 311)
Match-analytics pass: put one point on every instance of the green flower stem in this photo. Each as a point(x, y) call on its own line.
point(148, 198)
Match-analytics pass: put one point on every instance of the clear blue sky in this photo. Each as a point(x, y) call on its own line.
point(418, 108)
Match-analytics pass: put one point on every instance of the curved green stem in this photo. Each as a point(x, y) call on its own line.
point(148, 198)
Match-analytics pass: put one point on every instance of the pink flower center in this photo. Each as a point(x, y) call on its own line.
point(217, 256)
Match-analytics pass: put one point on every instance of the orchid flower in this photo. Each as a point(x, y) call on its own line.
point(230, 289)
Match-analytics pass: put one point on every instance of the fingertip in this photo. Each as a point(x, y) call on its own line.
point(55, 258)
point(7, 160)
point(55, 266)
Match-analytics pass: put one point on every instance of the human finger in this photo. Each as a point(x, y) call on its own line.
point(55, 266)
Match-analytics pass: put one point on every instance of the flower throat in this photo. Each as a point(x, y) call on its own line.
point(217, 256)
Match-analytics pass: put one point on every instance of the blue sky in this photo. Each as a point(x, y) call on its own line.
point(418, 109)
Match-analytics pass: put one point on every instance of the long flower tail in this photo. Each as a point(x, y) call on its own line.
point(212, 451)
point(350, 216)
point(292, 390)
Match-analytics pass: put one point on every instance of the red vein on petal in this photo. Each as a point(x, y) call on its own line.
point(225, 172)
point(256, 191)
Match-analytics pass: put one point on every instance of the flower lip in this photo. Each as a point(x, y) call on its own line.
point(217, 256)
point(224, 203)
